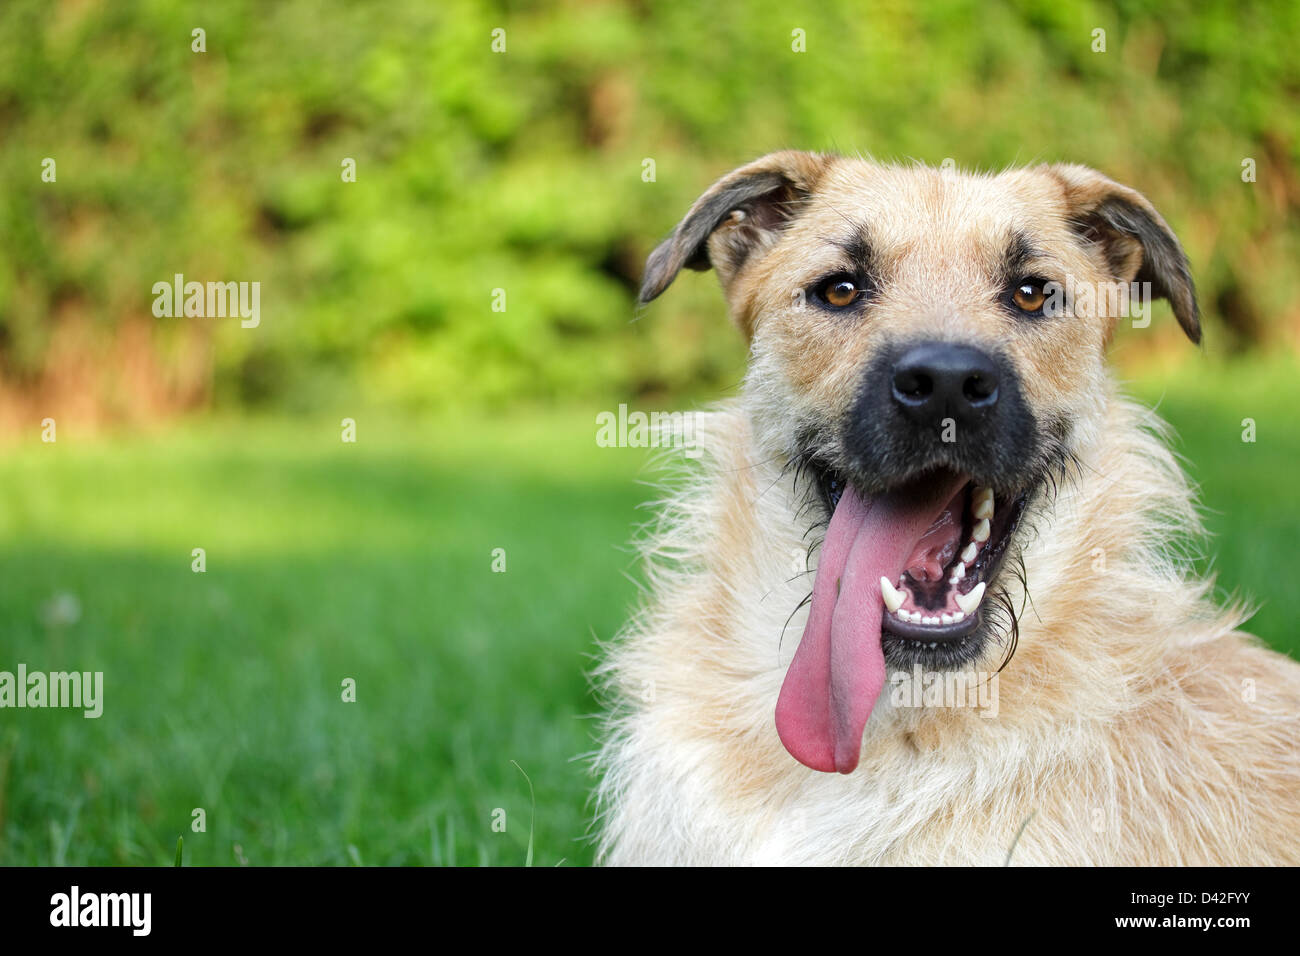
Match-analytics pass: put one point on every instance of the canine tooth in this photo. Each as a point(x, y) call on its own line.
point(984, 503)
point(981, 531)
point(893, 598)
point(945, 618)
point(969, 602)
point(968, 555)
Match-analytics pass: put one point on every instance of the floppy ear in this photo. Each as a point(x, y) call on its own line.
point(742, 212)
point(1137, 242)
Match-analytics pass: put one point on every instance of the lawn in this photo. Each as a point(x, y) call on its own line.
point(373, 561)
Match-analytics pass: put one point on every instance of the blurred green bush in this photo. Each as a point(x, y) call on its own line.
point(522, 170)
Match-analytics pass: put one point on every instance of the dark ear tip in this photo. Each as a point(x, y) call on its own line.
point(659, 272)
point(652, 286)
point(1188, 312)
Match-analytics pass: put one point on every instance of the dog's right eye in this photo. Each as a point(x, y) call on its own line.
point(839, 292)
point(1030, 295)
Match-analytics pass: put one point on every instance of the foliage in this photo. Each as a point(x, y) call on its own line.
point(522, 170)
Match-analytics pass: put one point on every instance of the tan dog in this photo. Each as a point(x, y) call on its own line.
point(1003, 649)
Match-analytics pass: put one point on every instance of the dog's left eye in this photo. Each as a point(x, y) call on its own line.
point(839, 292)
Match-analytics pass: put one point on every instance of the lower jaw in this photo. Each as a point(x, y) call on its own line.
point(903, 653)
point(925, 634)
point(907, 645)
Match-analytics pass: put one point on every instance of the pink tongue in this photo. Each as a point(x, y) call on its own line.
point(839, 669)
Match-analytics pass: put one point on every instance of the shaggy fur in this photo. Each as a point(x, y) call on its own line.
point(1136, 725)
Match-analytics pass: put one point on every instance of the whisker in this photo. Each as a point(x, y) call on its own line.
point(781, 640)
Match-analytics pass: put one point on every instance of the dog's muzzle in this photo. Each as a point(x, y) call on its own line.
point(926, 405)
point(937, 380)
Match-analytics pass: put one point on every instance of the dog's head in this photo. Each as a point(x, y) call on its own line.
point(929, 346)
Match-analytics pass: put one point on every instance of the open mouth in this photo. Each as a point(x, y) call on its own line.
point(903, 572)
point(936, 599)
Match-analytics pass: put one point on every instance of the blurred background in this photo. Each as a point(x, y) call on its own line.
point(489, 161)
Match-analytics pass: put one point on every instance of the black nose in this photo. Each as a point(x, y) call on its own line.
point(938, 380)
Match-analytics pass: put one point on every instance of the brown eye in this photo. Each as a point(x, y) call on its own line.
point(1029, 297)
point(840, 292)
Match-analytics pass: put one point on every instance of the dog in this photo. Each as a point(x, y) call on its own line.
point(931, 481)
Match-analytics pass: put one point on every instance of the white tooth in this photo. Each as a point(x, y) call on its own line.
point(893, 599)
point(902, 616)
point(958, 573)
point(981, 531)
point(969, 554)
point(915, 617)
point(959, 616)
point(929, 620)
point(946, 618)
point(984, 503)
point(969, 602)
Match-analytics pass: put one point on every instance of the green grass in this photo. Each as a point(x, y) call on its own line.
point(324, 561)
point(373, 561)
point(1249, 492)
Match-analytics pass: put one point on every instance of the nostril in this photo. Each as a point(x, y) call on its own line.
point(913, 385)
point(980, 389)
